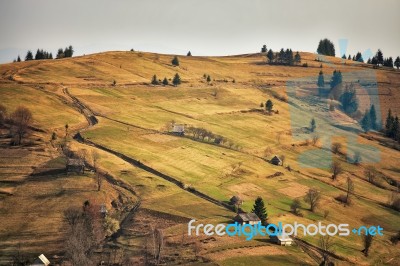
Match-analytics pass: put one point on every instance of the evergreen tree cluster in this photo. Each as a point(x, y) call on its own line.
point(337, 78)
point(379, 60)
point(358, 57)
point(392, 128)
point(349, 100)
point(41, 54)
point(175, 81)
point(369, 121)
point(283, 57)
point(326, 47)
point(67, 52)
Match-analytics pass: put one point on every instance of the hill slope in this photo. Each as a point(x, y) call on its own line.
point(192, 177)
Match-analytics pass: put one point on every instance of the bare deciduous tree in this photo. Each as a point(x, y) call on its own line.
point(294, 207)
point(21, 120)
point(336, 147)
point(99, 176)
point(336, 169)
point(312, 197)
point(367, 243)
point(371, 174)
point(315, 140)
point(349, 190)
point(326, 245)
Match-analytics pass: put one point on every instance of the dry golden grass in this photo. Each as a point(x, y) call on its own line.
point(223, 107)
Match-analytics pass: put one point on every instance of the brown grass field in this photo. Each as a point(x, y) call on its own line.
point(132, 121)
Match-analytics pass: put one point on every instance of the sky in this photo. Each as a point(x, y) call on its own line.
point(205, 27)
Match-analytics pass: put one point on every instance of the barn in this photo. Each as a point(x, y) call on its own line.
point(75, 166)
point(247, 218)
point(276, 161)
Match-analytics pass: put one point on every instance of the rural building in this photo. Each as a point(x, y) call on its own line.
point(247, 218)
point(276, 160)
point(40, 261)
point(235, 200)
point(284, 240)
point(178, 129)
point(75, 166)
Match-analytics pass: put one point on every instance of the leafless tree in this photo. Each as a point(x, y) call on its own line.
point(99, 176)
point(326, 245)
point(336, 147)
point(79, 242)
point(371, 174)
point(294, 207)
point(312, 197)
point(349, 189)
point(336, 169)
point(196, 248)
point(21, 120)
point(315, 140)
point(159, 244)
point(367, 243)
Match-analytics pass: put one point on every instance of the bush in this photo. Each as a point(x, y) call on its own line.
point(304, 65)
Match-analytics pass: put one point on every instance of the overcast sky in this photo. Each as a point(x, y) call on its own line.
point(205, 27)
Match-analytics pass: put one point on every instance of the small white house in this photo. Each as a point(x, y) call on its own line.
point(178, 129)
point(284, 240)
point(40, 261)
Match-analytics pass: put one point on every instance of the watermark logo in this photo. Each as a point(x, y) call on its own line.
point(252, 230)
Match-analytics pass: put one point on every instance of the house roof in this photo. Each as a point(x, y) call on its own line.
point(284, 237)
point(248, 217)
point(41, 260)
point(276, 158)
point(75, 162)
point(178, 128)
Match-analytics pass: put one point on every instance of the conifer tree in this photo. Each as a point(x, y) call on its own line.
point(154, 80)
point(397, 62)
point(175, 61)
point(177, 80)
point(366, 121)
point(326, 47)
point(264, 49)
point(321, 81)
point(372, 117)
point(379, 57)
point(389, 123)
point(260, 210)
point(270, 56)
point(19, 59)
point(189, 54)
point(269, 105)
point(29, 56)
point(165, 82)
point(297, 58)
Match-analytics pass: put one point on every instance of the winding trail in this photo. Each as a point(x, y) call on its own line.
point(92, 121)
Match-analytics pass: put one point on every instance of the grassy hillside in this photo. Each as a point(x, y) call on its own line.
point(133, 119)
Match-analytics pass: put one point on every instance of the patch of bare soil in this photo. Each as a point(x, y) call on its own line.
point(248, 251)
point(294, 190)
point(145, 219)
